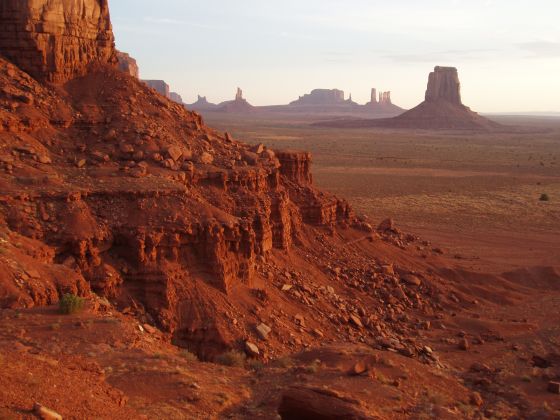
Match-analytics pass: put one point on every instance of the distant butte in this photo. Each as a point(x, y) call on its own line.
point(441, 109)
point(127, 64)
point(238, 106)
point(201, 104)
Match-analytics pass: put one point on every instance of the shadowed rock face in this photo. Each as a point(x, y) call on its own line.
point(127, 64)
point(56, 40)
point(443, 83)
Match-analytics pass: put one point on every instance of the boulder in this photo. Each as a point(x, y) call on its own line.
point(411, 280)
point(45, 413)
point(251, 349)
point(385, 225)
point(263, 331)
point(356, 321)
point(206, 158)
point(318, 404)
point(174, 152)
point(258, 149)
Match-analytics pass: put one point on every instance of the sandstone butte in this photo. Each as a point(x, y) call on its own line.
point(181, 238)
point(441, 109)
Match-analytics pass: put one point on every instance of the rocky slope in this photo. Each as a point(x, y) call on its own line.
point(180, 238)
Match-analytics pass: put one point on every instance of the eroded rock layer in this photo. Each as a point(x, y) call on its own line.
point(144, 203)
point(56, 40)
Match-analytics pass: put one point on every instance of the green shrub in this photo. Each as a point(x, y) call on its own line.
point(70, 304)
point(544, 197)
point(232, 358)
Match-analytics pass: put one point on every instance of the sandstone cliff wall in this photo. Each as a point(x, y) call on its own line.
point(56, 40)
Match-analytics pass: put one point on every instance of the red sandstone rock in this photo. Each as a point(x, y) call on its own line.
point(295, 165)
point(56, 41)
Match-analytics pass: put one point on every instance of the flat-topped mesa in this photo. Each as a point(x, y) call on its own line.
point(127, 64)
point(443, 84)
point(56, 41)
point(159, 86)
point(295, 165)
point(321, 97)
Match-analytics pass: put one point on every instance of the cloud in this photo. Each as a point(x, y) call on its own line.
point(541, 49)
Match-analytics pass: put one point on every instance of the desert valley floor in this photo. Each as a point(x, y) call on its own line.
point(477, 194)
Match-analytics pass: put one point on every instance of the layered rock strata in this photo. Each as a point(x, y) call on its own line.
point(56, 40)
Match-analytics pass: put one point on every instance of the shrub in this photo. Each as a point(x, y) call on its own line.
point(70, 304)
point(255, 365)
point(284, 362)
point(313, 367)
point(188, 356)
point(544, 197)
point(232, 358)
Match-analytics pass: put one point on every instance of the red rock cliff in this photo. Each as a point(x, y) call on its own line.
point(56, 41)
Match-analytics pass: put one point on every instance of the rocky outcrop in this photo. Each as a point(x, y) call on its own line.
point(171, 216)
point(444, 85)
point(159, 86)
point(56, 40)
point(127, 64)
point(295, 165)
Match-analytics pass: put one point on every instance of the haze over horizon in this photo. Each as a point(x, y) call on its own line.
point(507, 52)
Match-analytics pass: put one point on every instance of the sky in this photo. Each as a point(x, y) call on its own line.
point(507, 51)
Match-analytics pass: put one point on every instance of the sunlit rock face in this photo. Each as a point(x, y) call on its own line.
point(56, 40)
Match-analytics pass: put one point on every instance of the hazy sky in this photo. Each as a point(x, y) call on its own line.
point(507, 51)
